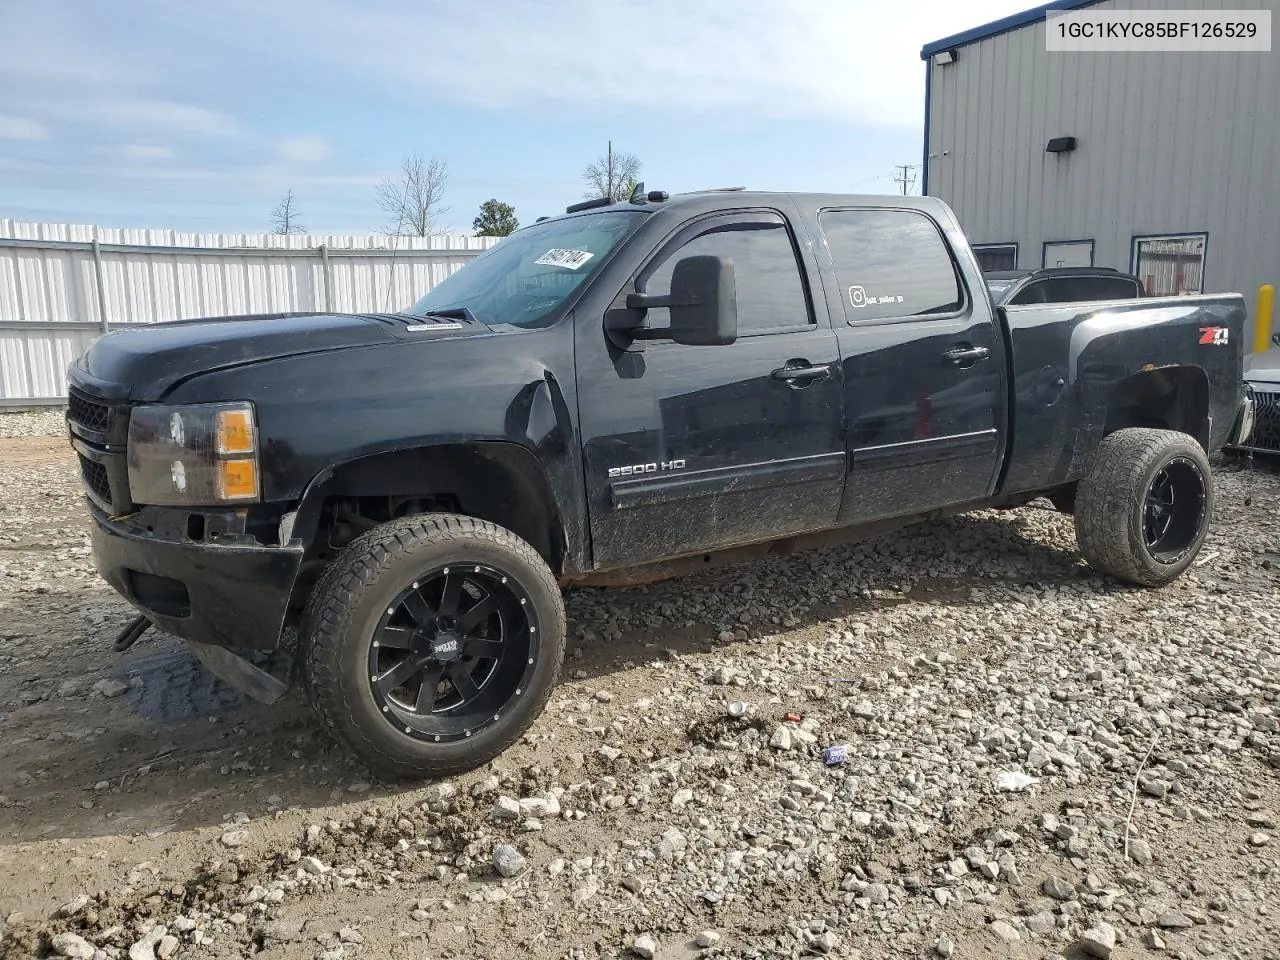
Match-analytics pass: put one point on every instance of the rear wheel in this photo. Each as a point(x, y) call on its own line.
point(1144, 512)
point(432, 643)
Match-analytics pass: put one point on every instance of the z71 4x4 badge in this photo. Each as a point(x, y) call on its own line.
point(1215, 336)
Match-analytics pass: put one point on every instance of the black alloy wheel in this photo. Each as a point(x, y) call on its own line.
point(431, 643)
point(1143, 512)
point(1174, 510)
point(452, 651)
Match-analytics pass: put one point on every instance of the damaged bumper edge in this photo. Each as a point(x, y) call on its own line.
point(220, 595)
point(1242, 429)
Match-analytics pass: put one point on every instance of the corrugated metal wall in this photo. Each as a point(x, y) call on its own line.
point(1168, 143)
point(57, 292)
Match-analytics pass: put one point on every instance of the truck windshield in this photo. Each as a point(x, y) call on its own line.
point(524, 278)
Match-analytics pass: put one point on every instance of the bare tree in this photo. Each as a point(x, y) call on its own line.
point(614, 175)
point(413, 201)
point(284, 217)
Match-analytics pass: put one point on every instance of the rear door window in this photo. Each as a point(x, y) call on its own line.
point(891, 264)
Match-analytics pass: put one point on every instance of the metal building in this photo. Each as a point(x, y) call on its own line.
point(1166, 165)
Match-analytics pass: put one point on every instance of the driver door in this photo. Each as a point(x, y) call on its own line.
point(694, 448)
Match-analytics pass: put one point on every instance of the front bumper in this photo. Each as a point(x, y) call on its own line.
point(228, 595)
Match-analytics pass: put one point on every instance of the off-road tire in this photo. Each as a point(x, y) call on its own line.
point(1110, 504)
point(347, 603)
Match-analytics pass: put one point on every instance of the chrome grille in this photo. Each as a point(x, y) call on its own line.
point(1266, 421)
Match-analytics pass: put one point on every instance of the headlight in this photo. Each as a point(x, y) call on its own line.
point(193, 455)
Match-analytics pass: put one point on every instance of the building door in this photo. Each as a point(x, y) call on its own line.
point(1071, 253)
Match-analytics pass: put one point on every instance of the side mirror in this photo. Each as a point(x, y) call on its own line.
point(703, 303)
point(1275, 338)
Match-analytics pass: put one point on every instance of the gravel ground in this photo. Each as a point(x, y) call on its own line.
point(50, 422)
point(1009, 719)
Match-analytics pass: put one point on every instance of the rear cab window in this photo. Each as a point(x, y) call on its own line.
point(892, 265)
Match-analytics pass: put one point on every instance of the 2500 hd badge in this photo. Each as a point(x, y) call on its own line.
point(637, 469)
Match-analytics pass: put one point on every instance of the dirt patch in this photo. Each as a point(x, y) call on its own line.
point(29, 451)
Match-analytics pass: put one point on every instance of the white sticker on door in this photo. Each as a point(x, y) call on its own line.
point(569, 259)
point(858, 298)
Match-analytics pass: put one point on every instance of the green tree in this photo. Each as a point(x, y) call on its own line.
point(497, 219)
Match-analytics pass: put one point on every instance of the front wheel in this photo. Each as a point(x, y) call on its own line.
point(432, 643)
point(1143, 513)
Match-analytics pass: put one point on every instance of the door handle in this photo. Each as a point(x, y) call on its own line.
point(965, 355)
point(802, 374)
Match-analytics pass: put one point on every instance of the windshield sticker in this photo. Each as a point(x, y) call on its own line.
point(569, 259)
point(858, 298)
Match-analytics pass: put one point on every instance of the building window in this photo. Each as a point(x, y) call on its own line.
point(1170, 266)
point(996, 256)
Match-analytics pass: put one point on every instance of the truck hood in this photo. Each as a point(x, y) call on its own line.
point(1263, 367)
point(146, 362)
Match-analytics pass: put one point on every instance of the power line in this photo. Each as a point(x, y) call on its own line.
point(906, 177)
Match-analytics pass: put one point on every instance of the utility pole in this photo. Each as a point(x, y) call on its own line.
point(905, 177)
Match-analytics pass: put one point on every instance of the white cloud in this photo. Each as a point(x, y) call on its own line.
point(146, 152)
point(22, 128)
point(299, 151)
point(849, 60)
point(161, 117)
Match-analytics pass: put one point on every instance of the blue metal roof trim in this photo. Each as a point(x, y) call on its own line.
point(997, 27)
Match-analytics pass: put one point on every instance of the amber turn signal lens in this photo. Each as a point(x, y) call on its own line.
point(237, 480)
point(234, 432)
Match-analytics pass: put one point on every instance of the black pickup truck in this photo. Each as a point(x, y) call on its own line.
point(624, 392)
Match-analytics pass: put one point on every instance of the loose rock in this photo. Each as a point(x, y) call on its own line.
point(1098, 941)
point(1006, 931)
point(145, 948)
point(71, 945)
point(507, 860)
point(1058, 888)
point(110, 687)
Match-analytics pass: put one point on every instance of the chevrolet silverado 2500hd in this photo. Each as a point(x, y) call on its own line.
point(623, 392)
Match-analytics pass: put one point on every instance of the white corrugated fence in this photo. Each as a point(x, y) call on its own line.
point(61, 285)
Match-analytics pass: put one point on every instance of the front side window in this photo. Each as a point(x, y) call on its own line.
point(523, 280)
point(770, 290)
point(892, 264)
point(1170, 266)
